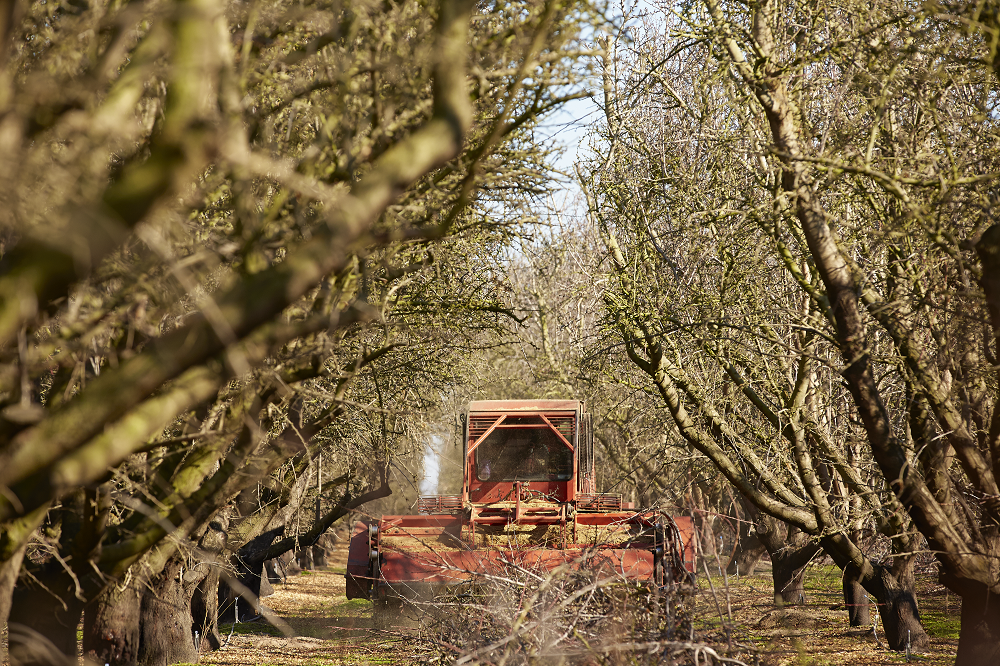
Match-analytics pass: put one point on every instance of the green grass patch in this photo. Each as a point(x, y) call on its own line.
point(823, 579)
point(940, 625)
point(249, 629)
point(353, 608)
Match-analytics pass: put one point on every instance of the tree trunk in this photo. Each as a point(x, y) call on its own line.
point(897, 606)
point(48, 622)
point(856, 599)
point(250, 572)
point(266, 589)
point(205, 598)
point(274, 570)
point(9, 569)
point(205, 612)
point(165, 623)
point(319, 554)
point(287, 565)
point(898, 611)
point(233, 607)
point(304, 557)
point(788, 567)
point(979, 640)
point(111, 627)
point(902, 569)
point(747, 553)
point(790, 552)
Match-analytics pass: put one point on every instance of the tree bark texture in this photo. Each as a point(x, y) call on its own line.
point(111, 626)
point(788, 567)
point(205, 612)
point(165, 623)
point(790, 552)
point(979, 640)
point(747, 552)
point(898, 612)
point(856, 599)
point(205, 596)
point(897, 604)
point(50, 615)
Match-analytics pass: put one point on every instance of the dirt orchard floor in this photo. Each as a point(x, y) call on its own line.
point(333, 630)
point(330, 629)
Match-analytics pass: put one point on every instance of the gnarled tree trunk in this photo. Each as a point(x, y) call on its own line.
point(50, 617)
point(856, 598)
point(979, 641)
point(111, 626)
point(251, 573)
point(746, 556)
point(205, 612)
point(897, 607)
point(788, 568)
point(205, 596)
point(165, 624)
point(790, 551)
point(749, 549)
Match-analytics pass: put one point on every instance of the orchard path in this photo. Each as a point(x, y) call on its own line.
point(331, 629)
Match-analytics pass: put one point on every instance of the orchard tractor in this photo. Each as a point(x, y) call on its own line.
point(529, 500)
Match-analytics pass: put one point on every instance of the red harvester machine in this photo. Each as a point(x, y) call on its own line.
point(528, 499)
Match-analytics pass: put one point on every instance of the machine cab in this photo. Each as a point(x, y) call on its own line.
point(543, 447)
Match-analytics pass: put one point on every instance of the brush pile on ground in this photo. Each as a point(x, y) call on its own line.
point(521, 616)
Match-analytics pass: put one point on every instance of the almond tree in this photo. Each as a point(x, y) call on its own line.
point(734, 351)
point(923, 163)
point(858, 161)
point(212, 208)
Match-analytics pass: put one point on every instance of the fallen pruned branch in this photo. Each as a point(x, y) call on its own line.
point(663, 649)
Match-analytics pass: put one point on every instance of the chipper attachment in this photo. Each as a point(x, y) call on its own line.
point(528, 500)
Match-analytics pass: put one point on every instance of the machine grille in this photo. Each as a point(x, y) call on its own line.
point(564, 423)
point(439, 504)
point(601, 502)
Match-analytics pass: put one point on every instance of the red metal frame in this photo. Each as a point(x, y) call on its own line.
point(434, 564)
point(541, 408)
point(486, 434)
point(454, 567)
point(559, 434)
